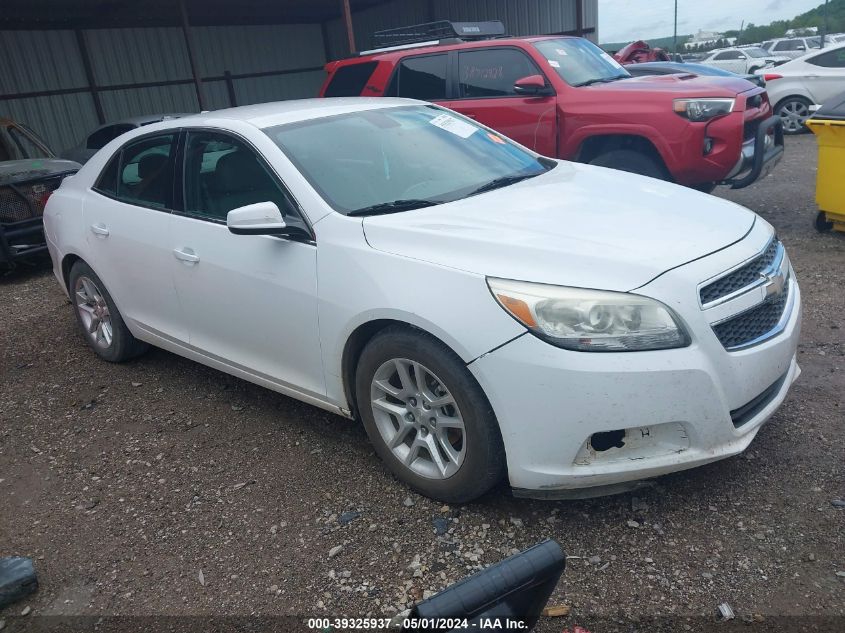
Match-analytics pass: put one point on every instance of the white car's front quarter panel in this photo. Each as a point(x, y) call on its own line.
point(358, 284)
point(675, 405)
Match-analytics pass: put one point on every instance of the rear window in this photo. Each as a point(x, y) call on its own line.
point(349, 81)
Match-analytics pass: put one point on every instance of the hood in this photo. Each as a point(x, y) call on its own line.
point(679, 85)
point(577, 225)
point(13, 171)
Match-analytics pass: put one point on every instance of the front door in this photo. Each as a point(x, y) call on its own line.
point(485, 92)
point(249, 300)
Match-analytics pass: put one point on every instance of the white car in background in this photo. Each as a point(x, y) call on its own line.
point(798, 88)
point(743, 61)
point(484, 311)
point(791, 47)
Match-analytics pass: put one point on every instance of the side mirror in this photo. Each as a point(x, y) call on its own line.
point(534, 85)
point(262, 218)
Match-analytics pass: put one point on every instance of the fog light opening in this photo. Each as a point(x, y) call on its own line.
point(606, 440)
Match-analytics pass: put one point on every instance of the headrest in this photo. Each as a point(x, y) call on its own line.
point(239, 171)
point(150, 165)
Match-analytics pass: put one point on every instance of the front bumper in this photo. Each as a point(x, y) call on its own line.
point(758, 155)
point(676, 409)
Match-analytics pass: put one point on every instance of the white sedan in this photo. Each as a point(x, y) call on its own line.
point(743, 61)
point(799, 87)
point(484, 311)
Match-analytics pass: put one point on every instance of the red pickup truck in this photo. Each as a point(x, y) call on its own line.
point(566, 98)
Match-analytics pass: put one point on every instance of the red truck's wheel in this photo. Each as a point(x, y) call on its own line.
point(630, 161)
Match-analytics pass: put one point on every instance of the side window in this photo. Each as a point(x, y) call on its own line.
point(223, 173)
point(783, 46)
point(728, 55)
point(107, 182)
point(831, 59)
point(421, 78)
point(145, 176)
point(492, 72)
point(349, 81)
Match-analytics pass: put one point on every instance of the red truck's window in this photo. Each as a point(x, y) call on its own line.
point(421, 78)
point(492, 72)
point(349, 81)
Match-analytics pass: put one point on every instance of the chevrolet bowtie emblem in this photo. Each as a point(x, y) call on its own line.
point(775, 283)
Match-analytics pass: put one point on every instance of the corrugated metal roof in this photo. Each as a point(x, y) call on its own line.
point(34, 61)
point(121, 56)
point(60, 120)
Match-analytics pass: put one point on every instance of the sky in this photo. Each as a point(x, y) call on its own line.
point(623, 20)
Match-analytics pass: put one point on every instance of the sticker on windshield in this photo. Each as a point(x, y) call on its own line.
point(560, 51)
point(453, 125)
point(553, 63)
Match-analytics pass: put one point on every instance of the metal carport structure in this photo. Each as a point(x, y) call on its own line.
point(70, 65)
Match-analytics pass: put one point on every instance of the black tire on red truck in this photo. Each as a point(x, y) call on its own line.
point(631, 161)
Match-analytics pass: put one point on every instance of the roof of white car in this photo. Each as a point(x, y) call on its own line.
point(264, 115)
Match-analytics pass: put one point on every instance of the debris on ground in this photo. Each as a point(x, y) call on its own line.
point(557, 611)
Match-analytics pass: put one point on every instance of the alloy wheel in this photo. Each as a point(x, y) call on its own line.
point(418, 418)
point(93, 312)
point(793, 114)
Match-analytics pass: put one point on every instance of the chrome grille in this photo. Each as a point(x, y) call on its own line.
point(746, 327)
point(741, 277)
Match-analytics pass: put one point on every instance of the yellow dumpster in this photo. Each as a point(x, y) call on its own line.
point(828, 124)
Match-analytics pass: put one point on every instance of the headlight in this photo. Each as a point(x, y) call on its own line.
point(702, 109)
point(590, 320)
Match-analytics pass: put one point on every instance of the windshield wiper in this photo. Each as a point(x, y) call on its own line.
point(497, 183)
point(396, 206)
point(601, 80)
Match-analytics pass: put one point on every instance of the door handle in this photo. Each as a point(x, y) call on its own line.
point(100, 230)
point(186, 255)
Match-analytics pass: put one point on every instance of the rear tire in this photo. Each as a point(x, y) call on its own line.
point(793, 113)
point(99, 320)
point(427, 417)
point(631, 161)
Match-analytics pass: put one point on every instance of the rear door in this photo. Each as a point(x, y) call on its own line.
point(825, 76)
point(424, 77)
point(484, 91)
point(127, 218)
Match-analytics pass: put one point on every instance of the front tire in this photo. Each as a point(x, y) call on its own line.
point(631, 161)
point(427, 417)
point(793, 113)
point(99, 320)
point(822, 224)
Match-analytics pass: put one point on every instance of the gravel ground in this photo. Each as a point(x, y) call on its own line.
point(164, 487)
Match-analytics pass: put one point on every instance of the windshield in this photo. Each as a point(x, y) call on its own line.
point(756, 52)
point(396, 159)
point(579, 62)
